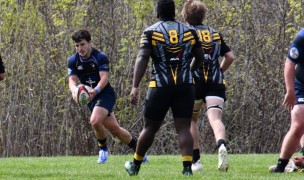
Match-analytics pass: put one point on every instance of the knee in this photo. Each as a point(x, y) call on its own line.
point(95, 122)
point(115, 131)
point(197, 110)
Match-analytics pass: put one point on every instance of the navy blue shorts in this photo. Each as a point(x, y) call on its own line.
point(299, 90)
point(202, 90)
point(106, 99)
point(179, 98)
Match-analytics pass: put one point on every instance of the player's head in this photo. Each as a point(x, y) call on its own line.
point(82, 42)
point(81, 35)
point(166, 9)
point(194, 12)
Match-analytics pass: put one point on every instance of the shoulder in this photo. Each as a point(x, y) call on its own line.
point(72, 58)
point(99, 54)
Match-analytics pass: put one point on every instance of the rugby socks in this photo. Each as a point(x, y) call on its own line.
point(132, 144)
point(102, 144)
point(196, 155)
point(220, 142)
point(187, 161)
point(282, 163)
point(138, 159)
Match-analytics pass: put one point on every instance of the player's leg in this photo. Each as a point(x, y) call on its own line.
point(156, 107)
point(102, 107)
point(302, 145)
point(122, 134)
point(215, 106)
point(182, 109)
point(215, 98)
point(97, 118)
point(196, 164)
point(292, 138)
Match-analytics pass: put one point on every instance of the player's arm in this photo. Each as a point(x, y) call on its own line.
point(104, 80)
point(227, 54)
point(289, 76)
point(141, 64)
point(198, 59)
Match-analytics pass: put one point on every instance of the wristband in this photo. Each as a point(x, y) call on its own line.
point(97, 89)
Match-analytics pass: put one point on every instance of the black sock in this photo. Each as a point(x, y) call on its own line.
point(102, 143)
point(187, 164)
point(132, 144)
point(220, 142)
point(282, 163)
point(196, 155)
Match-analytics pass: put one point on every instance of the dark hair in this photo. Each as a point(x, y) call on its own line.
point(166, 9)
point(194, 12)
point(81, 35)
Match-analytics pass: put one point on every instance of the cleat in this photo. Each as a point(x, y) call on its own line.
point(103, 156)
point(145, 160)
point(197, 166)
point(187, 171)
point(223, 159)
point(131, 168)
point(291, 167)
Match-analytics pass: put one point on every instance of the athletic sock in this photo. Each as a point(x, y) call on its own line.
point(187, 161)
point(196, 155)
point(282, 163)
point(132, 144)
point(220, 142)
point(138, 159)
point(102, 143)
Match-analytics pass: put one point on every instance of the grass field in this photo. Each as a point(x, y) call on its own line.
point(245, 166)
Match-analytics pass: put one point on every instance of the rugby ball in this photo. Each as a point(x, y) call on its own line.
point(82, 94)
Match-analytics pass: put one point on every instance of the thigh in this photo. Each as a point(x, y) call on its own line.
point(157, 103)
point(182, 101)
point(106, 99)
point(216, 90)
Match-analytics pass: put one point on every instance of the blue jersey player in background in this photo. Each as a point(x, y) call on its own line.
point(294, 100)
point(2, 70)
point(91, 67)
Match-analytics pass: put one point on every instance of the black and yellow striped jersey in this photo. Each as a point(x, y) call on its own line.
point(171, 43)
point(214, 47)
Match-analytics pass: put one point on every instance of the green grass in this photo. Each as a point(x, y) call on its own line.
point(244, 166)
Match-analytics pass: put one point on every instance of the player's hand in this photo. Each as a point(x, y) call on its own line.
point(289, 100)
point(92, 92)
point(74, 93)
point(134, 96)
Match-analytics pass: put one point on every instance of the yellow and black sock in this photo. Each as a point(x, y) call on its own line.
point(187, 161)
point(138, 159)
point(102, 143)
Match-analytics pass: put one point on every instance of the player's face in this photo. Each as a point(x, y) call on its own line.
point(83, 48)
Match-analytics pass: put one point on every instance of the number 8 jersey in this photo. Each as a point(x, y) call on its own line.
point(171, 43)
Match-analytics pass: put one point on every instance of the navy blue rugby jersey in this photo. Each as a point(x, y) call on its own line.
point(87, 70)
point(2, 69)
point(296, 55)
point(171, 43)
point(214, 47)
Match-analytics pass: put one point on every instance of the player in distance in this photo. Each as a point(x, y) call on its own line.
point(209, 82)
point(91, 67)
